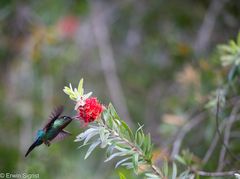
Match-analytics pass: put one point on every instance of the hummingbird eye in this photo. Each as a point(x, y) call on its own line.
point(65, 117)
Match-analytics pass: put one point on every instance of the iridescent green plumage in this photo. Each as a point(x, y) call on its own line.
point(54, 129)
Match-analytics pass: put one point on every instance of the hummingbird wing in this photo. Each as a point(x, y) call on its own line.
point(61, 135)
point(55, 115)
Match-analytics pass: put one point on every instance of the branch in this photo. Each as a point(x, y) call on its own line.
point(213, 144)
point(225, 140)
point(185, 129)
point(206, 29)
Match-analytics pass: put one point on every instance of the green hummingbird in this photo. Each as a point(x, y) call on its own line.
point(53, 129)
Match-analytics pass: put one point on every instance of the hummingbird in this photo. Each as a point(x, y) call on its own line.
point(53, 129)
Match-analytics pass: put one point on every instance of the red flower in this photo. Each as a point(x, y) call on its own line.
point(68, 26)
point(91, 110)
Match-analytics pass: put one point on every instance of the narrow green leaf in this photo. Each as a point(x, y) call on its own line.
point(101, 131)
point(149, 145)
point(225, 48)
point(113, 111)
point(88, 94)
point(80, 87)
point(84, 134)
point(151, 176)
point(136, 137)
point(110, 122)
point(144, 147)
point(135, 162)
point(165, 168)
point(117, 154)
point(105, 115)
point(122, 161)
point(139, 139)
point(180, 159)
point(70, 85)
point(121, 175)
point(233, 73)
point(126, 127)
point(89, 136)
point(72, 97)
point(174, 172)
point(104, 138)
point(109, 150)
point(91, 148)
point(128, 165)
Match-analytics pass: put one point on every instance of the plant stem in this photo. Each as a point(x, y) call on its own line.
point(156, 171)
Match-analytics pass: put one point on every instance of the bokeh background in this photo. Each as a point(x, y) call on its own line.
point(154, 60)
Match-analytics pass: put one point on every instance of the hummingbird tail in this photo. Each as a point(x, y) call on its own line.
point(31, 148)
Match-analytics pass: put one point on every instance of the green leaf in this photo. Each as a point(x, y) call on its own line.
point(165, 168)
point(122, 161)
point(116, 119)
point(84, 134)
point(135, 162)
point(80, 87)
point(180, 159)
point(113, 112)
point(225, 48)
point(89, 136)
point(126, 127)
point(91, 148)
point(128, 165)
point(149, 146)
point(185, 174)
point(110, 149)
point(121, 175)
point(105, 115)
point(151, 176)
point(117, 154)
point(72, 97)
point(139, 135)
point(103, 137)
point(174, 172)
point(233, 73)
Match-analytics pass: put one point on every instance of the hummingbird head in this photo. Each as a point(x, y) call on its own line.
point(40, 134)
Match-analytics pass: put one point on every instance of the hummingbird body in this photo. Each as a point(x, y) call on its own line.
point(54, 129)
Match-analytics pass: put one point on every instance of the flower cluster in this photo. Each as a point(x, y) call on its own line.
point(91, 110)
point(88, 108)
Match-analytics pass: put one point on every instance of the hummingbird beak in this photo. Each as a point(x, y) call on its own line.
point(75, 117)
point(32, 147)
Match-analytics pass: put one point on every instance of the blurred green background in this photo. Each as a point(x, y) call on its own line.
point(155, 60)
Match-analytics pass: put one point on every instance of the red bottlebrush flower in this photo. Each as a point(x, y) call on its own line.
point(91, 110)
point(68, 26)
